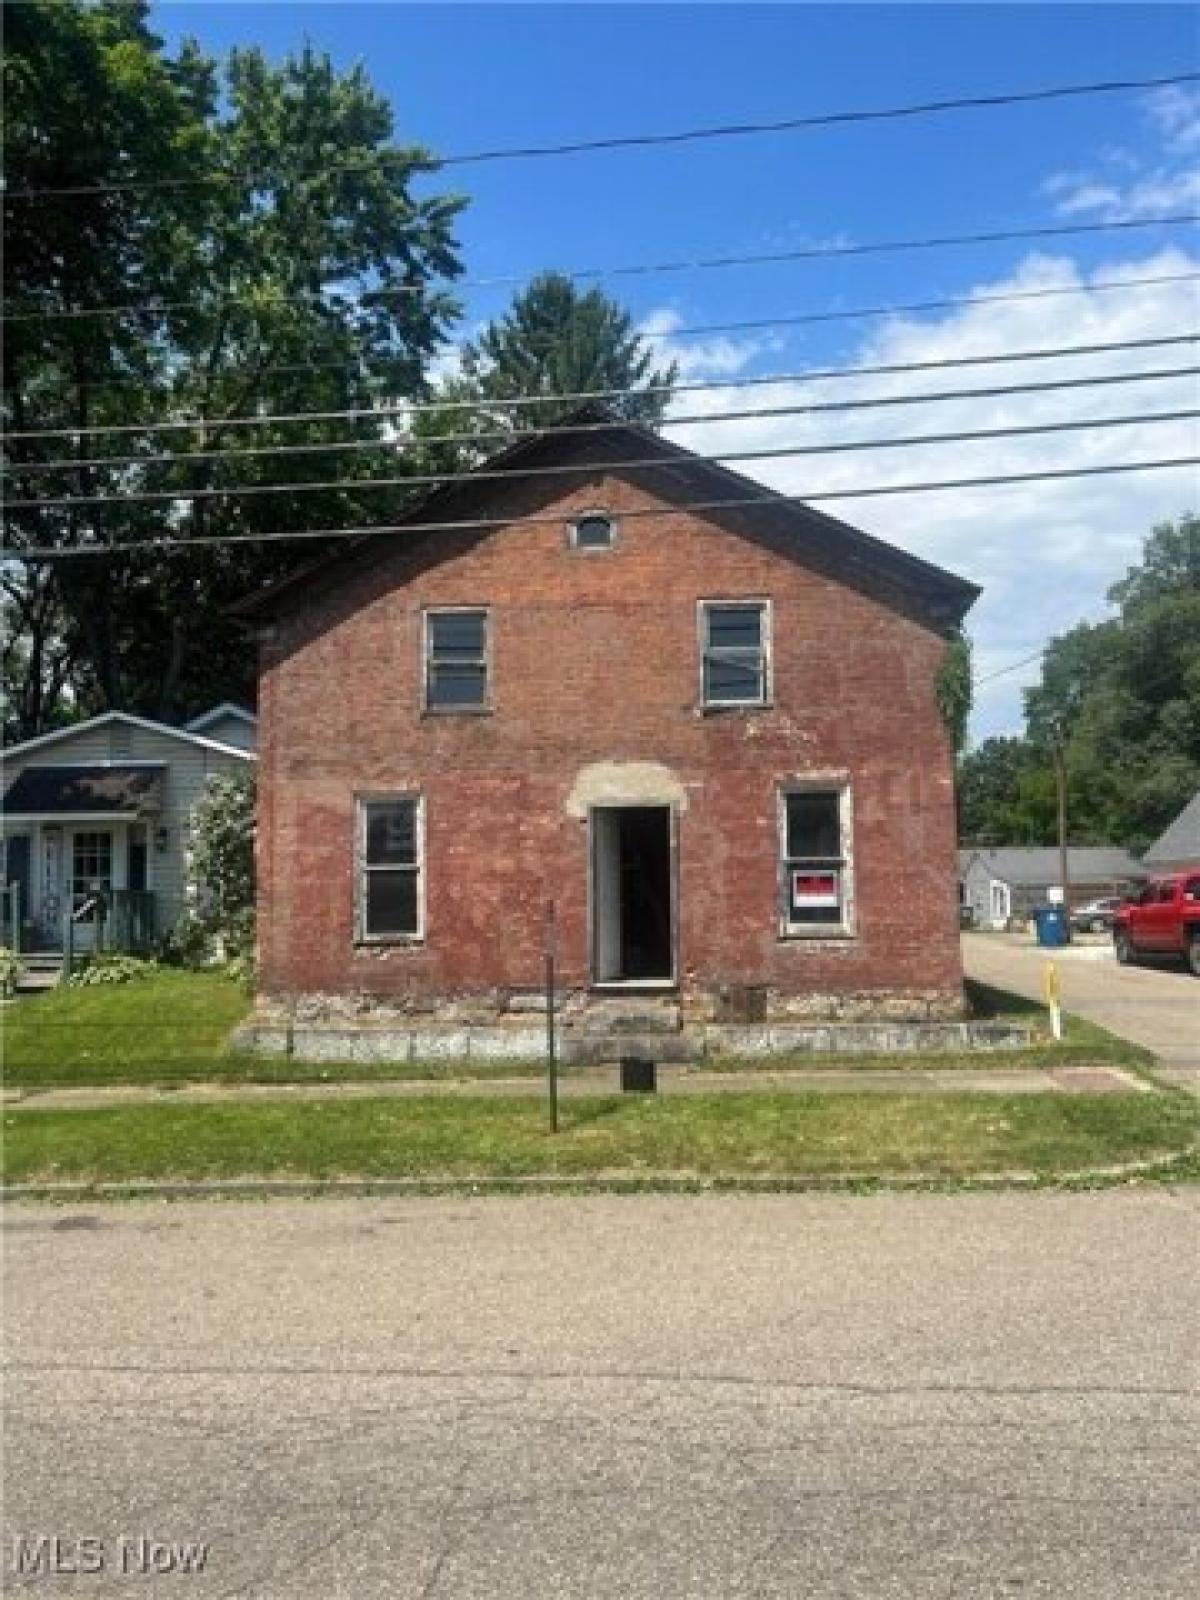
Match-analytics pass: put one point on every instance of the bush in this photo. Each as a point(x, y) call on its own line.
point(10, 966)
point(218, 924)
point(112, 969)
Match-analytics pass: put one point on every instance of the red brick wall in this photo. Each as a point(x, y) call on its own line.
point(596, 660)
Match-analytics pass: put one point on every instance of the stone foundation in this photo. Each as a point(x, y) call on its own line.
point(593, 1030)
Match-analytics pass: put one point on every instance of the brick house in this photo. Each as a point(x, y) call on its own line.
point(697, 716)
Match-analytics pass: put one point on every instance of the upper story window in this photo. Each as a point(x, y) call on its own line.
point(814, 859)
point(735, 646)
point(456, 660)
point(594, 530)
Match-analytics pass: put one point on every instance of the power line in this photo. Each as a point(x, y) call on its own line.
point(482, 524)
point(585, 396)
point(927, 305)
point(500, 435)
point(650, 269)
point(758, 323)
point(1094, 678)
point(1013, 666)
point(825, 119)
point(588, 469)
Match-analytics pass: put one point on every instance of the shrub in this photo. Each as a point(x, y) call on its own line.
point(218, 923)
point(112, 969)
point(10, 966)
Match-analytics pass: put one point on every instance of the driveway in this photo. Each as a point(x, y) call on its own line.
point(835, 1397)
point(1158, 1007)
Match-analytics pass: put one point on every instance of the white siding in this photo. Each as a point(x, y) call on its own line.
point(186, 768)
point(230, 729)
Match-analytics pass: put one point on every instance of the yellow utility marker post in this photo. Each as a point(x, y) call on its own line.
point(1052, 988)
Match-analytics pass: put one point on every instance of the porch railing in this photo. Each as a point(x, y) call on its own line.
point(121, 922)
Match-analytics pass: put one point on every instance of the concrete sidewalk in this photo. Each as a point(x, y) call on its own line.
point(671, 1080)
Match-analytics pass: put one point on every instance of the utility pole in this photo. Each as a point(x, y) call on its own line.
point(1060, 773)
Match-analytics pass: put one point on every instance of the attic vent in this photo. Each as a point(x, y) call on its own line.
point(595, 530)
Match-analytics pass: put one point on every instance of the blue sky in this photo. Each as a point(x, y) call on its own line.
point(467, 77)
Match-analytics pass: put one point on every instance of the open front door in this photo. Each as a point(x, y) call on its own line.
point(633, 932)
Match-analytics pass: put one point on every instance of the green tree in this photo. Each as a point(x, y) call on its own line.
point(555, 339)
point(303, 274)
point(1124, 696)
point(219, 871)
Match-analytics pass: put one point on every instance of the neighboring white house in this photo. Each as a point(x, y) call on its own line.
point(1003, 885)
point(227, 724)
point(1177, 848)
point(103, 806)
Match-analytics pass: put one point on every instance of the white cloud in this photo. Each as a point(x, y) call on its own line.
point(1175, 111)
point(1046, 552)
point(1127, 185)
point(711, 358)
point(1161, 193)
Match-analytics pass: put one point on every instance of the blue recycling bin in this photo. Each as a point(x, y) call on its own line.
point(1051, 925)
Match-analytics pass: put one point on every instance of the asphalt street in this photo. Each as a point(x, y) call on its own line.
point(715, 1397)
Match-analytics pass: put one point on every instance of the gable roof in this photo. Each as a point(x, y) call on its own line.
point(598, 440)
point(1033, 866)
point(42, 740)
point(216, 713)
point(1181, 840)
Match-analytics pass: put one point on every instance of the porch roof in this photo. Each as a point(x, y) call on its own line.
point(117, 791)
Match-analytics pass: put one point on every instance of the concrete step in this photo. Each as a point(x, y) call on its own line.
point(28, 982)
point(618, 1015)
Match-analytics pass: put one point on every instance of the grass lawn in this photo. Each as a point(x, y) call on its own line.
point(168, 1028)
point(781, 1135)
point(173, 1028)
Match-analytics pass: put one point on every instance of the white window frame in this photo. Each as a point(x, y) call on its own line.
point(362, 804)
point(833, 783)
point(593, 549)
point(427, 661)
point(766, 634)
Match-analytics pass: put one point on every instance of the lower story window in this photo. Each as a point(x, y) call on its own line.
point(390, 850)
point(815, 860)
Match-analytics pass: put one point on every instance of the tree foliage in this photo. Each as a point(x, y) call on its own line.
point(219, 868)
point(955, 687)
point(1124, 696)
point(303, 274)
point(554, 340)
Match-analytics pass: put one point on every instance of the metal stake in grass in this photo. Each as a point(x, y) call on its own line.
point(551, 1054)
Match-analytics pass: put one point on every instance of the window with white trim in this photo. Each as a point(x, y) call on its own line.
point(594, 530)
point(814, 859)
point(735, 652)
point(456, 660)
point(390, 852)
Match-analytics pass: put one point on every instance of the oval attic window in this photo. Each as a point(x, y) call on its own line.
point(595, 531)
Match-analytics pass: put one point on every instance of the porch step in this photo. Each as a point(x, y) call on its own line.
point(36, 982)
point(39, 972)
point(633, 1015)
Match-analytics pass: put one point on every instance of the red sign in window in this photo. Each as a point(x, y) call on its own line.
point(815, 888)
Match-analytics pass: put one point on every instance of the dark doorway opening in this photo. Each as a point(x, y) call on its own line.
point(633, 936)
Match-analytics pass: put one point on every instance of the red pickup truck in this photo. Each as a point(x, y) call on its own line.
point(1163, 919)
